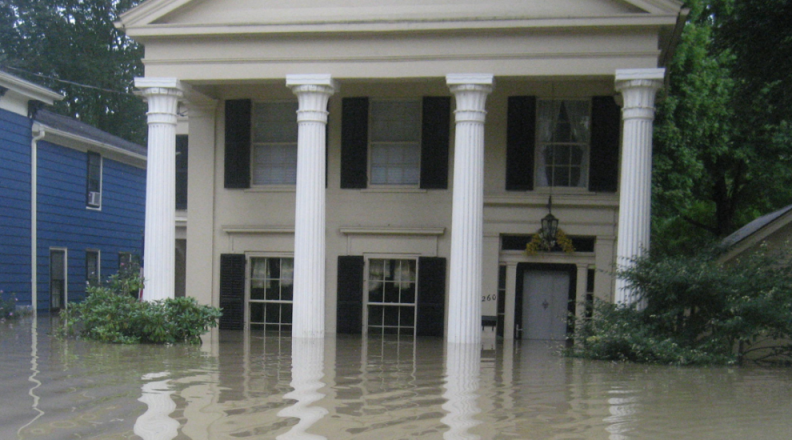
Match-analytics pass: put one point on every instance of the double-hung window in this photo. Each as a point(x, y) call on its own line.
point(93, 191)
point(274, 155)
point(395, 142)
point(391, 299)
point(271, 293)
point(563, 133)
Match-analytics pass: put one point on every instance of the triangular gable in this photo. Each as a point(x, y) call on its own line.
point(256, 12)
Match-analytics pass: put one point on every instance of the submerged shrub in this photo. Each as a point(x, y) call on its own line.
point(698, 311)
point(8, 307)
point(111, 314)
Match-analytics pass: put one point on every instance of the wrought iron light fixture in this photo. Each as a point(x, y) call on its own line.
point(549, 226)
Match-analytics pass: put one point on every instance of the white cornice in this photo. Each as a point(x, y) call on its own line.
point(81, 143)
point(28, 89)
point(144, 32)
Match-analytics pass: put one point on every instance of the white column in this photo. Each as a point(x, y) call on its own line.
point(464, 310)
point(638, 88)
point(313, 92)
point(163, 96)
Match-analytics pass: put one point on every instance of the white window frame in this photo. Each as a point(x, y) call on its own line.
point(372, 143)
point(367, 285)
point(539, 167)
point(254, 144)
point(249, 286)
point(94, 194)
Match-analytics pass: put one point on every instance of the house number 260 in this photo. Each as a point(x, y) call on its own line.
point(488, 298)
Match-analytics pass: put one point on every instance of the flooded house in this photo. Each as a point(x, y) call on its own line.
point(388, 167)
point(73, 199)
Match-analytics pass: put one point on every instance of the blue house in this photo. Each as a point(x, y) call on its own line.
point(72, 198)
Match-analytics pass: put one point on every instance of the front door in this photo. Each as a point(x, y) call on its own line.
point(543, 304)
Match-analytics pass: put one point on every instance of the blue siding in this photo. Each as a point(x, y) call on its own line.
point(65, 222)
point(15, 139)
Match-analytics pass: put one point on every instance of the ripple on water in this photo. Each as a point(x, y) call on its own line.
point(251, 385)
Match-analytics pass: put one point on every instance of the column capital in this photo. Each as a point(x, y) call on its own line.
point(638, 88)
point(313, 92)
point(163, 95)
point(470, 91)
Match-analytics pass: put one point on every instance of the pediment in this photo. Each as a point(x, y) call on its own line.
point(211, 13)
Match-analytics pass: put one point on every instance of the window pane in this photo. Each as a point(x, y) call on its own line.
point(563, 127)
point(275, 122)
point(271, 283)
point(395, 121)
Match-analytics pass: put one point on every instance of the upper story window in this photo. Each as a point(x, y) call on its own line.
point(563, 136)
point(274, 152)
point(93, 191)
point(395, 142)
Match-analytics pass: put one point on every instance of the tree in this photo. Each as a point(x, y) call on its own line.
point(67, 45)
point(723, 152)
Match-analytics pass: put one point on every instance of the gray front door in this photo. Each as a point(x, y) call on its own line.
point(545, 304)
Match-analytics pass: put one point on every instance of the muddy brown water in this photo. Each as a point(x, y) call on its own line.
point(255, 386)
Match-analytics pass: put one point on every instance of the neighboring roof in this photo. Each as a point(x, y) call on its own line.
point(82, 130)
point(753, 227)
point(28, 89)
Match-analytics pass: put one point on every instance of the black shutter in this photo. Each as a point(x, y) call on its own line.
point(237, 143)
point(354, 143)
point(349, 314)
point(435, 136)
point(431, 296)
point(604, 155)
point(232, 291)
point(520, 140)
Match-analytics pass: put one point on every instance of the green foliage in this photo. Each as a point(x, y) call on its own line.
point(111, 314)
point(697, 311)
point(722, 152)
point(8, 307)
point(61, 44)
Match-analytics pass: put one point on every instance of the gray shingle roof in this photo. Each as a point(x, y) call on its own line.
point(73, 126)
point(754, 226)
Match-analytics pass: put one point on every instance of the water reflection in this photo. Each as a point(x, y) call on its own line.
point(35, 372)
point(623, 409)
point(156, 423)
point(261, 386)
point(463, 366)
point(307, 372)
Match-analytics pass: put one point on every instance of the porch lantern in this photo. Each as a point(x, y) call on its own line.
point(549, 230)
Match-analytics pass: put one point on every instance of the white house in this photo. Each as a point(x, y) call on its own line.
point(379, 166)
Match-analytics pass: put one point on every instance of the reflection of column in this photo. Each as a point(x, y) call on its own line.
point(638, 88)
point(313, 92)
point(155, 423)
point(307, 374)
point(623, 410)
point(463, 366)
point(467, 234)
point(159, 253)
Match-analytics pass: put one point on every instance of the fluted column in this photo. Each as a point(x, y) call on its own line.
point(638, 88)
point(313, 92)
point(464, 309)
point(163, 96)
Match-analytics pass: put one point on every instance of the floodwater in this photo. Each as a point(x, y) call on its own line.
point(241, 385)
